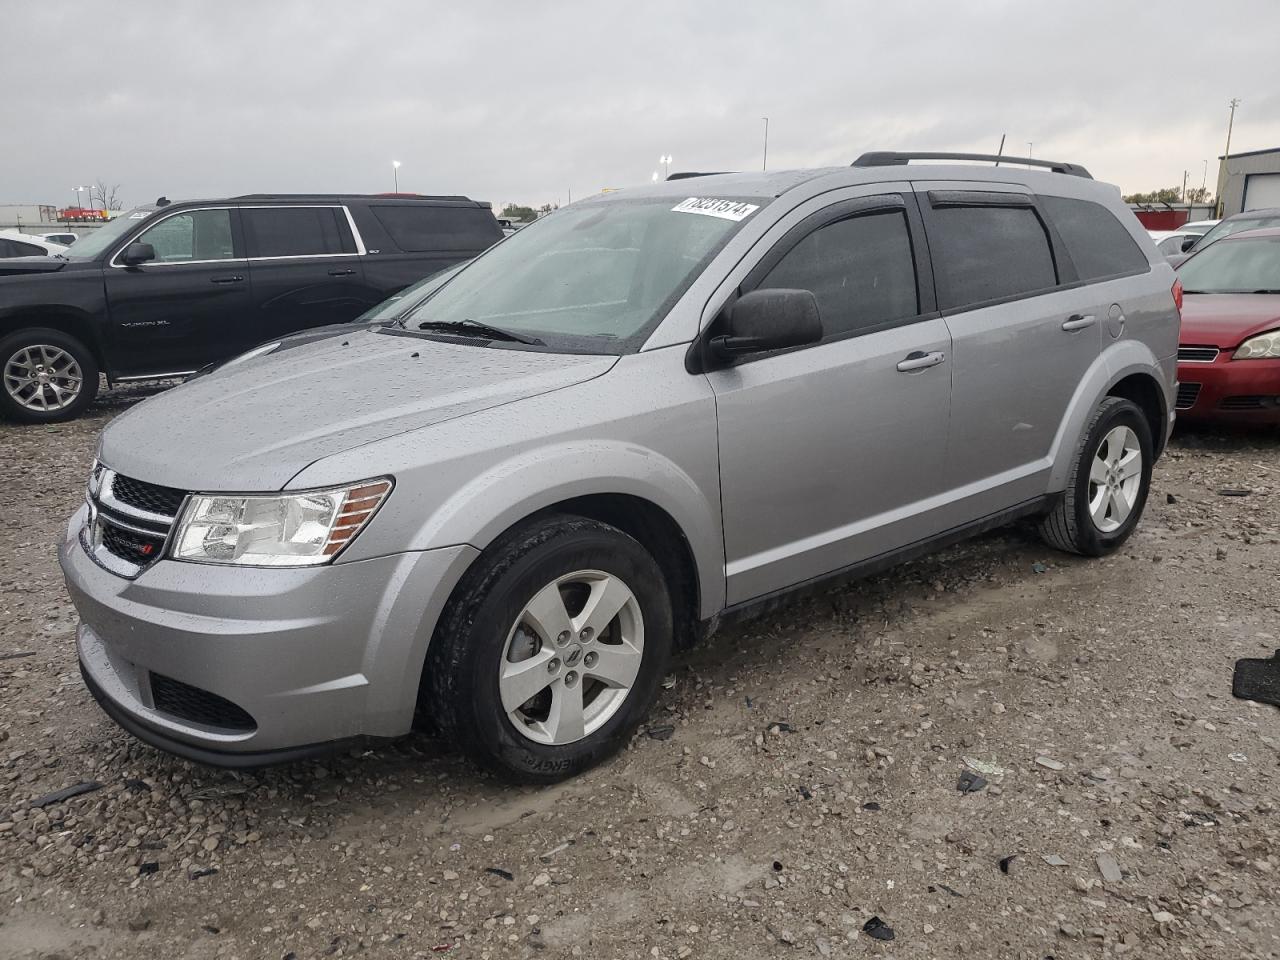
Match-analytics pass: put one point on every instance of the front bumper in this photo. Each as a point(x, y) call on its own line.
point(1230, 391)
point(310, 655)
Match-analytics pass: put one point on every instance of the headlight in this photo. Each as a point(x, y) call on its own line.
point(1265, 346)
point(276, 530)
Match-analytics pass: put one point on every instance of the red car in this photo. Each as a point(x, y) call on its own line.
point(1229, 350)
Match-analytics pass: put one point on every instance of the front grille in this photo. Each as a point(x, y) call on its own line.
point(128, 545)
point(190, 703)
point(1198, 354)
point(147, 496)
point(1249, 403)
point(1187, 394)
point(130, 521)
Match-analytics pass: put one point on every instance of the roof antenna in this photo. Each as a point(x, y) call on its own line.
point(1000, 152)
point(162, 201)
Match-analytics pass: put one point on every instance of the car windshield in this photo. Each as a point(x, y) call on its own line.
point(1227, 227)
point(594, 278)
point(1240, 266)
point(410, 296)
point(95, 242)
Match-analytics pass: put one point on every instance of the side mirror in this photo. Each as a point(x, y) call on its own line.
point(1188, 243)
point(764, 320)
point(136, 253)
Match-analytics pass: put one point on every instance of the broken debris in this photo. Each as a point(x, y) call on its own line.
point(66, 793)
point(970, 782)
point(877, 929)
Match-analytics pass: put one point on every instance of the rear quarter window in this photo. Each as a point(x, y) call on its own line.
point(418, 228)
point(1097, 242)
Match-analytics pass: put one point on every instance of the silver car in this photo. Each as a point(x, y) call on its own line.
point(503, 500)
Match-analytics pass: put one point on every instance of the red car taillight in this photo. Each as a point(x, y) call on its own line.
point(1177, 295)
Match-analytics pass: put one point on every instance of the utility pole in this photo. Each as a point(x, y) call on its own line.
point(764, 164)
point(1226, 158)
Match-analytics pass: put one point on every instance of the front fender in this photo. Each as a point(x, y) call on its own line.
point(478, 512)
point(1118, 361)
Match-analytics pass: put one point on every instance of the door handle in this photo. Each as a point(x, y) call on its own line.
point(230, 278)
point(1078, 321)
point(919, 360)
point(342, 273)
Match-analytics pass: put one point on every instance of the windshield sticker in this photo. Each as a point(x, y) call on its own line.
point(710, 207)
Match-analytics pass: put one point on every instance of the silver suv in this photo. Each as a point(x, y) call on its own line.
point(501, 501)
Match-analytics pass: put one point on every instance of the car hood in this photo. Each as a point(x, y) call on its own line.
point(254, 424)
point(1224, 320)
point(11, 266)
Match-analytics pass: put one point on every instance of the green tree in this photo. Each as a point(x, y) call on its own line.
point(515, 212)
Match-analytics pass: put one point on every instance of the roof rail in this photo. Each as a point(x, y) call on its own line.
point(337, 196)
point(689, 174)
point(890, 158)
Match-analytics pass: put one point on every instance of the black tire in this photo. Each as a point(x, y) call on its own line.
point(13, 345)
point(460, 689)
point(1070, 527)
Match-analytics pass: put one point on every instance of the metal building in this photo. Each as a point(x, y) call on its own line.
point(1249, 181)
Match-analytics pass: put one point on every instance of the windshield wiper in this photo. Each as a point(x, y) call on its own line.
point(469, 326)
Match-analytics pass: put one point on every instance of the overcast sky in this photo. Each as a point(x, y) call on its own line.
point(528, 101)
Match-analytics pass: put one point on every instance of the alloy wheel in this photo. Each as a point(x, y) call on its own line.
point(1115, 479)
point(572, 657)
point(43, 378)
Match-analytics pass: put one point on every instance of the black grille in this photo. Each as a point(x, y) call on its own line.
point(1249, 403)
point(1187, 393)
point(1198, 354)
point(186, 702)
point(147, 496)
point(134, 547)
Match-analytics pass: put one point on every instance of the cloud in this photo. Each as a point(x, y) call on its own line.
point(527, 102)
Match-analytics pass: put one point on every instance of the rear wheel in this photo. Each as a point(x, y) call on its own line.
point(550, 652)
point(47, 376)
point(1107, 489)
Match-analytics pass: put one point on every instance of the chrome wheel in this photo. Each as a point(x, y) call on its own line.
point(1115, 479)
point(43, 378)
point(571, 658)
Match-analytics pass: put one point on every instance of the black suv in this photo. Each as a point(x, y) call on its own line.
point(168, 288)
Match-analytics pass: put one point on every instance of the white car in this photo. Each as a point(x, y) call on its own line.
point(1172, 243)
point(14, 244)
point(1198, 227)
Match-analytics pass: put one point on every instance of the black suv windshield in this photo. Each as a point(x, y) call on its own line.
point(594, 278)
point(1236, 225)
point(1237, 266)
point(96, 242)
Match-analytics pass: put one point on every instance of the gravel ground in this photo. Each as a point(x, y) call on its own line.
point(798, 780)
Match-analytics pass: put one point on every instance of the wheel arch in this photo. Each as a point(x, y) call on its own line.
point(68, 320)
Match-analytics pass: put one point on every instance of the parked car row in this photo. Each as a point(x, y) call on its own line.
point(501, 500)
point(168, 288)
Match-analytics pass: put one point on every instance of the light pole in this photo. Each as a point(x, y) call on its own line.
point(1029, 146)
point(88, 190)
point(665, 160)
point(764, 163)
point(1220, 207)
point(395, 172)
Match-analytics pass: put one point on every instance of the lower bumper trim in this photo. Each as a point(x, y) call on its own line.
point(235, 760)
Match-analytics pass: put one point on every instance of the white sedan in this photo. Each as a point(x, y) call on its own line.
point(14, 244)
point(1173, 243)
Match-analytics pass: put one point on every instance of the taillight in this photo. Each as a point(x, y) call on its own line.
point(1177, 295)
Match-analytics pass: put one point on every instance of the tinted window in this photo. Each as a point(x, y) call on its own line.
point(296, 231)
point(419, 228)
point(987, 253)
point(860, 270)
point(21, 249)
point(1098, 243)
point(198, 235)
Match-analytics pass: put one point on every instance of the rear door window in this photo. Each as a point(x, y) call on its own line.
point(296, 231)
point(419, 228)
point(860, 270)
point(986, 253)
point(1097, 242)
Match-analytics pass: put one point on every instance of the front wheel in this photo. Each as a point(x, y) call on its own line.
point(550, 652)
point(48, 376)
point(1107, 489)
